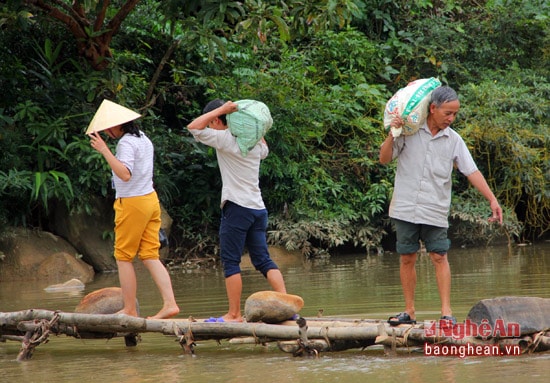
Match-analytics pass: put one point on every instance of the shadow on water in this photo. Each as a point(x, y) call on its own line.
point(343, 286)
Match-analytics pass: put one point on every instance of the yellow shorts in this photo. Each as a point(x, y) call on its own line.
point(137, 225)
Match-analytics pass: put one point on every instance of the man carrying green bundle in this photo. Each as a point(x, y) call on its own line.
point(244, 216)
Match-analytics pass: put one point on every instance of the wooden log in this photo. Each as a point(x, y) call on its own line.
point(109, 323)
point(294, 346)
point(389, 348)
point(336, 322)
point(304, 346)
point(17, 338)
point(73, 323)
point(319, 334)
point(245, 340)
point(19, 322)
point(544, 344)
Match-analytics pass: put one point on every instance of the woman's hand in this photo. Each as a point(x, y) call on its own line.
point(97, 143)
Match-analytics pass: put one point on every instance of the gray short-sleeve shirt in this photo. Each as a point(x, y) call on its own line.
point(423, 181)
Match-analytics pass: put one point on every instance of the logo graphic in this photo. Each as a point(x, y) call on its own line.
point(483, 330)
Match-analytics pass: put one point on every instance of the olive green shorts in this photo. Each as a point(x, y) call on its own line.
point(410, 234)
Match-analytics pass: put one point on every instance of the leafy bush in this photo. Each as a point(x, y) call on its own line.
point(504, 120)
point(326, 84)
point(320, 174)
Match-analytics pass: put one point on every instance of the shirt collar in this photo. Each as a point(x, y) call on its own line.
point(445, 132)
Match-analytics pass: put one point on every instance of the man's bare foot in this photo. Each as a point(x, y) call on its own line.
point(166, 312)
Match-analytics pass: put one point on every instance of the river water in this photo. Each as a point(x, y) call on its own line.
point(356, 286)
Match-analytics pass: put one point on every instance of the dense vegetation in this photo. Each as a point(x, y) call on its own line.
point(325, 68)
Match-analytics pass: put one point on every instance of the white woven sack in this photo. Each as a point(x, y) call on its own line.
point(411, 103)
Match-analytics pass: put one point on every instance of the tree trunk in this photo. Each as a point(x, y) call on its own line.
point(92, 36)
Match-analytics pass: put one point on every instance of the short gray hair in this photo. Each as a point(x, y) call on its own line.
point(443, 94)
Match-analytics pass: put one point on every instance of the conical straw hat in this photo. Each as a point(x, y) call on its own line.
point(110, 114)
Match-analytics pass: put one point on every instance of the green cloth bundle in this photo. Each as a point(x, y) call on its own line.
point(249, 124)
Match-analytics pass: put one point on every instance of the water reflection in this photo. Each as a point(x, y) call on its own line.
point(353, 286)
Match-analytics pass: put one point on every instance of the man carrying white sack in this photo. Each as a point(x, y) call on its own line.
point(244, 216)
point(422, 196)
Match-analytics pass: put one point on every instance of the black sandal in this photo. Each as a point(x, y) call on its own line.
point(447, 321)
point(401, 318)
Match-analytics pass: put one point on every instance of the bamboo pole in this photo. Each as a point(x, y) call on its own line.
point(74, 323)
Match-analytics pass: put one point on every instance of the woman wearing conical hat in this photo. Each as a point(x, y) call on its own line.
point(137, 207)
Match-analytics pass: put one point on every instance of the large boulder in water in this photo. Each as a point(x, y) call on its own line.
point(532, 314)
point(271, 307)
point(62, 267)
point(107, 300)
point(40, 255)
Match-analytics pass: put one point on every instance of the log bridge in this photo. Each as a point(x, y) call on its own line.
point(302, 337)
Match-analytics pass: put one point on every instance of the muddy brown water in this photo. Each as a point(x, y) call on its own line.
point(343, 286)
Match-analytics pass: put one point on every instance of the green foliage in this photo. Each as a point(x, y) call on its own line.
point(325, 69)
point(458, 41)
point(508, 39)
point(14, 207)
point(262, 19)
point(321, 16)
point(319, 167)
point(37, 126)
point(470, 224)
point(191, 178)
point(505, 122)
